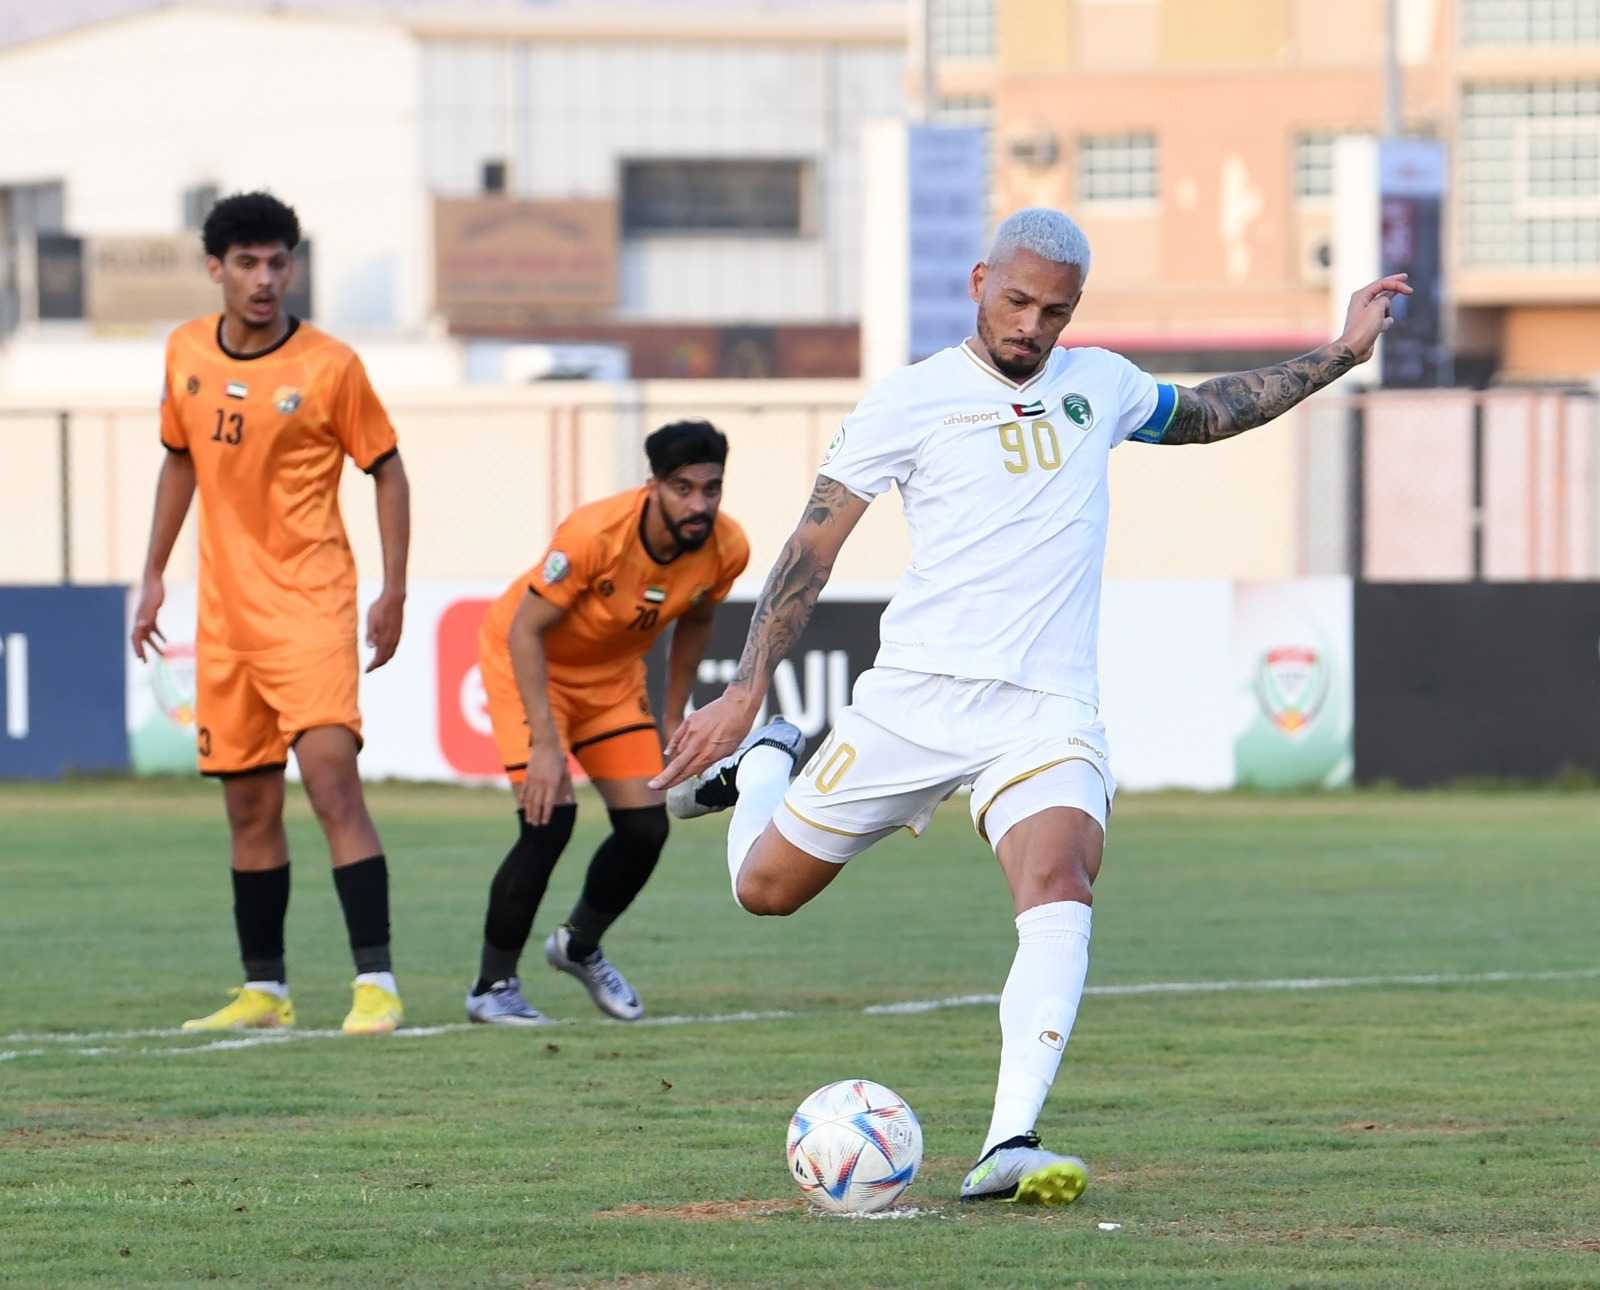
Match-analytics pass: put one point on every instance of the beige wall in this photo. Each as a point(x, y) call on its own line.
point(493, 469)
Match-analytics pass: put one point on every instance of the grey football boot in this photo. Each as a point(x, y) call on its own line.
point(1020, 1170)
point(606, 986)
point(716, 788)
point(502, 1004)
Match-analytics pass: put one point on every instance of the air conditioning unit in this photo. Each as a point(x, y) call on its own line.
point(1316, 257)
point(1037, 151)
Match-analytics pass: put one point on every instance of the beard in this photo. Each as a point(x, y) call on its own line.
point(1015, 369)
point(688, 539)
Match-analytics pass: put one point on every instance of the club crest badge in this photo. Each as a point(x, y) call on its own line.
point(1291, 685)
point(834, 447)
point(1077, 410)
point(556, 566)
point(286, 399)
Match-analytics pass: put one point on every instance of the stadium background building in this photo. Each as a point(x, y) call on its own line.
point(712, 229)
point(1195, 143)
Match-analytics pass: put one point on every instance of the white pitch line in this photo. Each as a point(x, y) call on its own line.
point(1225, 987)
point(909, 1007)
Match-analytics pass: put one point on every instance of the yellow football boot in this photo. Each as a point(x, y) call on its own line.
point(250, 1010)
point(374, 1011)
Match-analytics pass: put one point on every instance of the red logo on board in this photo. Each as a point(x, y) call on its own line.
point(465, 736)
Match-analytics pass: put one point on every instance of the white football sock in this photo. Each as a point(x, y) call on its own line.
point(384, 980)
point(763, 778)
point(1037, 1009)
point(278, 988)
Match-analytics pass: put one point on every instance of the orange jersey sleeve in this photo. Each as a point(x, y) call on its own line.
point(173, 435)
point(570, 562)
point(359, 419)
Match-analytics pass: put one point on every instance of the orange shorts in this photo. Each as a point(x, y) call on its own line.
point(609, 731)
point(249, 708)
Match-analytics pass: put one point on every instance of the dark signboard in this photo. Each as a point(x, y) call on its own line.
point(1483, 679)
point(809, 687)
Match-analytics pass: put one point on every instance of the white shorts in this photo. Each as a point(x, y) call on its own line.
point(909, 740)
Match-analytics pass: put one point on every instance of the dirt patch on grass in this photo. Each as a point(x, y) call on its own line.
point(709, 1211)
point(1448, 1127)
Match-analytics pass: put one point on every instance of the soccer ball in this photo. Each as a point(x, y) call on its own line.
point(854, 1146)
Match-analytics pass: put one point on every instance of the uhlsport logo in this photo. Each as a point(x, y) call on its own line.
point(1291, 685)
point(1078, 411)
point(973, 418)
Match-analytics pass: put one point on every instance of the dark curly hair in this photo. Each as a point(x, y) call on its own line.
point(685, 443)
point(249, 219)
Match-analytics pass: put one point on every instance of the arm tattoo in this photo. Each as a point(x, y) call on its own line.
point(1229, 405)
point(793, 586)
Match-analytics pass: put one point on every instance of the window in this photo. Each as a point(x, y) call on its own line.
point(1530, 22)
point(1528, 174)
point(769, 198)
point(1117, 168)
point(1559, 164)
point(961, 28)
point(1313, 165)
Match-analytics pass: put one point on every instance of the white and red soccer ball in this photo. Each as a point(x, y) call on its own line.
point(854, 1146)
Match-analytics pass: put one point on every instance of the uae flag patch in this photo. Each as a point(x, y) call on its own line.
point(655, 595)
point(237, 390)
point(1027, 409)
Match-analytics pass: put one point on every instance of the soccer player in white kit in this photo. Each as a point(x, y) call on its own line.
point(987, 672)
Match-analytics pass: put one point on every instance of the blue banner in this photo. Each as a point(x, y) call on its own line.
point(63, 686)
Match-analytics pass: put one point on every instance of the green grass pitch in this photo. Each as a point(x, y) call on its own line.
point(1400, 1086)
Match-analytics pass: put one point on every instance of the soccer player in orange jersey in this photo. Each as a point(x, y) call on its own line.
point(562, 656)
point(259, 412)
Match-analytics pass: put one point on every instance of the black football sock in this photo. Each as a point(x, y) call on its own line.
point(260, 901)
point(363, 889)
point(516, 891)
point(620, 868)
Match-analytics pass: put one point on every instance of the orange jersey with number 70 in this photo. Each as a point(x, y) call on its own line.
point(268, 434)
point(618, 597)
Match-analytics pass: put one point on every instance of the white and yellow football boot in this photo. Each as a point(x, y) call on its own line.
point(1020, 1170)
point(251, 1009)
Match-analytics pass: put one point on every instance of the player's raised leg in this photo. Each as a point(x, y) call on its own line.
point(327, 757)
point(259, 872)
point(752, 780)
point(1050, 858)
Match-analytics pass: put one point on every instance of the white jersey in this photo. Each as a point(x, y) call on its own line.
point(1005, 495)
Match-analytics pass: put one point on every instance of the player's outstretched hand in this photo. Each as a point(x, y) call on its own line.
point(385, 616)
point(145, 631)
point(1368, 316)
point(706, 735)
point(546, 784)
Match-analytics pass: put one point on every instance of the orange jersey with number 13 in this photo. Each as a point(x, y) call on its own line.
point(268, 434)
